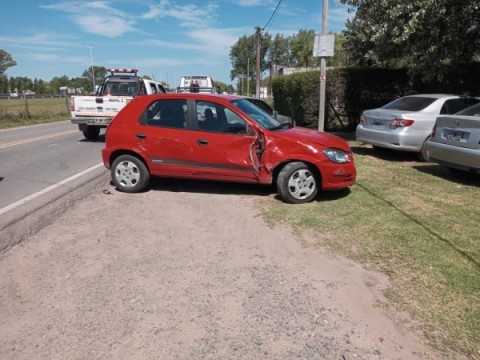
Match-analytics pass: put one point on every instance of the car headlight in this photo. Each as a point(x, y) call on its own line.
point(337, 155)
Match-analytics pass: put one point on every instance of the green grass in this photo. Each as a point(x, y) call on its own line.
point(417, 222)
point(18, 112)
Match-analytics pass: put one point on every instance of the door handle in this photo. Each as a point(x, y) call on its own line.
point(202, 142)
point(141, 136)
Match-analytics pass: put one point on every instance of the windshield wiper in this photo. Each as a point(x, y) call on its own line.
point(286, 125)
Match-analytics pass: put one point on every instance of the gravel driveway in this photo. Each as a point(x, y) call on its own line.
point(176, 273)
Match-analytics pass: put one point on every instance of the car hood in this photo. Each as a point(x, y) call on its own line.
point(308, 136)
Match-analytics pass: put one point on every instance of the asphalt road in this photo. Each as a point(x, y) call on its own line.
point(39, 165)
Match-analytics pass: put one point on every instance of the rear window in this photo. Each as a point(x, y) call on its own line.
point(121, 86)
point(453, 106)
point(471, 111)
point(410, 103)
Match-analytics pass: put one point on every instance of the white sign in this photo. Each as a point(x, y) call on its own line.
point(324, 45)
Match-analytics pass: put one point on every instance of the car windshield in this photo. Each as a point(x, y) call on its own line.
point(410, 103)
point(470, 111)
point(261, 117)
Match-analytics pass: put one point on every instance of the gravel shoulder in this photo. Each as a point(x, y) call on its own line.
point(179, 274)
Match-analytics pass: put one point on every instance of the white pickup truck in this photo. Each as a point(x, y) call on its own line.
point(93, 112)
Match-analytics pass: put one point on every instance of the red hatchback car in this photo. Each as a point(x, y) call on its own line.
point(224, 138)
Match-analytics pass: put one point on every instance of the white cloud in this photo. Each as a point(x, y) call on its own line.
point(96, 17)
point(188, 15)
point(105, 26)
point(253, 2)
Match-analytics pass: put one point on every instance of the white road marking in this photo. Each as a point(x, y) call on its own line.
point(47, 189)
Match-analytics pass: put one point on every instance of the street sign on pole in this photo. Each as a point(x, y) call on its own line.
point(324, 45)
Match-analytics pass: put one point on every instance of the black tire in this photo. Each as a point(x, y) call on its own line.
point(91, 133)
point(297, 184)
point(129, 174)
point(423, 154)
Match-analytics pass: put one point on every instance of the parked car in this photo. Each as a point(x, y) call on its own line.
point(224, 138)
point(455, 141)
point(406, 123)
point(262, 104)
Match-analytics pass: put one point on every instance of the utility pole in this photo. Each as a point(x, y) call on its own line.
point(93, 71)
point(258, 35)
point(323, 71)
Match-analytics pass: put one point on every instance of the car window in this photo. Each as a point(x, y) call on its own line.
point(166, 113)
point(153, 88)
point(258, 115)
point(235, 124)
point(453, 106)
point(208, 117)
point(212, 117)
point(410, 103)
point(471, 111)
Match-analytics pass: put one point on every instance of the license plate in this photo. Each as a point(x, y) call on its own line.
point(455, 135)
point(97, 121)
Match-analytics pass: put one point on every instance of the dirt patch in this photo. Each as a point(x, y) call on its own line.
point(187, 275)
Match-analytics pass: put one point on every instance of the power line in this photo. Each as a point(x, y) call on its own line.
point(270, 21)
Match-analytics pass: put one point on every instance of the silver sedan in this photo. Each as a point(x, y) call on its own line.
point(406, 123)
point(455, 142)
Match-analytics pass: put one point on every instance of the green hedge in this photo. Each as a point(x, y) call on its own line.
point(349, 91)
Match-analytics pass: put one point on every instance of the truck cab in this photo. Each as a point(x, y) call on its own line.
point(126, 82)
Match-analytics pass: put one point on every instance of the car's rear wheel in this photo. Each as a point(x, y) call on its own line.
point(423, 154)
point(296, 183)
point(91, 133)
point(129, 174)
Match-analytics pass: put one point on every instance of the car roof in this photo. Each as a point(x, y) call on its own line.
point(203, 96)
point(435, 96)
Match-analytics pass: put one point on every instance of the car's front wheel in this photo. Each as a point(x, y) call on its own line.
point(296, 183)
point(129, 174)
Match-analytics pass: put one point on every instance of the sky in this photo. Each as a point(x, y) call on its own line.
point(164, 39)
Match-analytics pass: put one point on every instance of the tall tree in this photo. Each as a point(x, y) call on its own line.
point(100, 73)
point(6, 61)
point(280, 50)
point(301, 45)
point(423, 34)
point(243, 55)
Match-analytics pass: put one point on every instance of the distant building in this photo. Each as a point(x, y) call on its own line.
point(65, 90)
